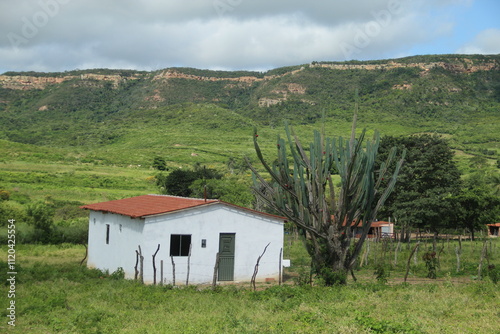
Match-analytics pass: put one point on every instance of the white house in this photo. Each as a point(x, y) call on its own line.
point(190, 233)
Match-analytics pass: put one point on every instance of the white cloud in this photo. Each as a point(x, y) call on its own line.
point(60, 35)
point(486, 42)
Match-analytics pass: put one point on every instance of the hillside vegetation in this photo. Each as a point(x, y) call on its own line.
point(123, 119)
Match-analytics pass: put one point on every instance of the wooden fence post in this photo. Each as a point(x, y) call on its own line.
point(280, 267)
point(173, 270)
point(161, 272)
point(257, 267)
point(188, 265)
point(136, 275)
point(216, 268)
point(458, 252)
point(141, 265)
point(154, 265)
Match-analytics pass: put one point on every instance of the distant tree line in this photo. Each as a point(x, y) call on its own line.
point(430, 194)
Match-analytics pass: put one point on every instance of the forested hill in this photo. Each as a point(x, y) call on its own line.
point(455, 95)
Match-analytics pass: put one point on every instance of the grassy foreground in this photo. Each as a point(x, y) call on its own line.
point(54, 294)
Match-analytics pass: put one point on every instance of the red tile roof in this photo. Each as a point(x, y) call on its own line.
point(380, 223)
point(147, 205)
point(494, 225)
point(374, 224)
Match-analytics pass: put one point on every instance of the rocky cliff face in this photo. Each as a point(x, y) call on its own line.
point(455, 65)
point(24, 82)
point(467, 66)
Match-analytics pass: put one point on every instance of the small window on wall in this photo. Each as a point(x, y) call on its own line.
point(107, 234)
point(180, 244)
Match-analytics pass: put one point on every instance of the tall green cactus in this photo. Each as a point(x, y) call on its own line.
point(304, 193)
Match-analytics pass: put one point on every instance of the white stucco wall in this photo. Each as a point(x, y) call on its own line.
point(124, 233)
point(252, 233)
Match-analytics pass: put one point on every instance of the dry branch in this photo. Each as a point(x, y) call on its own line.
point(257, 267)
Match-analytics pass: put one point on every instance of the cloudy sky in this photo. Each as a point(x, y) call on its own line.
point(59, 35)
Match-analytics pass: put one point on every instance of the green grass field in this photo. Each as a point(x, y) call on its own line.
point(54, 294)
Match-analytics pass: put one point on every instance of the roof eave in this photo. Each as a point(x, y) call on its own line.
point(179, 210)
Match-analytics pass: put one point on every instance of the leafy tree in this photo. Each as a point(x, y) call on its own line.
point(179, 181)
point(493, 181)
point(303, 192)
point(475, 206)
point(226, 189)
point(41, 216)
point(428, 176)
point(176, 183)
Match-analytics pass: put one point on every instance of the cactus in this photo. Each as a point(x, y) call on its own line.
point(303, 192)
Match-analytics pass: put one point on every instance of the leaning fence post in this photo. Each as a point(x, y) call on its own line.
point(257, 267)
point(409, 259)
point(216, 268)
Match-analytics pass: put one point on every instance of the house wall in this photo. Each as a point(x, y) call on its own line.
point(388, 229)
point(124, 236)
point(252, 233)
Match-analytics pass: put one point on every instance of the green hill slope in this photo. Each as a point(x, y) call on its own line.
point(103, 113)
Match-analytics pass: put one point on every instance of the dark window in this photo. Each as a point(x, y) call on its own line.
point(180, 244)
point(107, 234)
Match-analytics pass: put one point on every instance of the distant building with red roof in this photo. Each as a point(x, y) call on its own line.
point(493, 229)
point(189, 233)
point(378, 229)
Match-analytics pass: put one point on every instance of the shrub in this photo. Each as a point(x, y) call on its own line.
point(159, 164)
point(4, 195)
point(493, 273)
point(431, 264)
point(117, 274)
point(329, 277)
point(380, 274)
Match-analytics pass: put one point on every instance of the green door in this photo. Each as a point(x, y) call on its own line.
point(226, 257)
